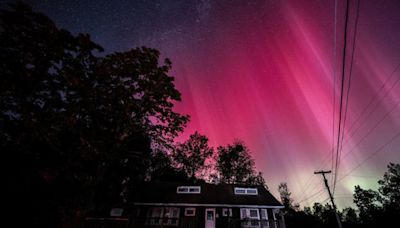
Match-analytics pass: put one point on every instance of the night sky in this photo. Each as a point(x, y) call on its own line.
point(263, 72)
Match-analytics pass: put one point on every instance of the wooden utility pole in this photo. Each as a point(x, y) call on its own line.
point(330, 195)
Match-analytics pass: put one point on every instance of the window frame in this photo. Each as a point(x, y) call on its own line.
point(188, 189)
point(245, 191)
point(247, 213)
point(188, 209)
point(169, 218)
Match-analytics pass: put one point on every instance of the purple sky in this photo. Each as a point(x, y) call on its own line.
point(263, 72)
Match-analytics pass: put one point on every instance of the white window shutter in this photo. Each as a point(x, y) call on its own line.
point(243, 213)
point(264, 214)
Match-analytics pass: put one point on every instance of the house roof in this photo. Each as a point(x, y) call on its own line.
point(166, 193)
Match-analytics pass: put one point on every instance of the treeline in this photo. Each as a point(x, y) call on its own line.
point(79, 128)
point(374, 208)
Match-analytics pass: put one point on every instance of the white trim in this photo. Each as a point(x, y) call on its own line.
point(207, 205)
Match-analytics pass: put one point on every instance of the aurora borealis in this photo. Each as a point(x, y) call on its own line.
point(263, 72)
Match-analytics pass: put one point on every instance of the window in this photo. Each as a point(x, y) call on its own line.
point(249, 213)
point(190, 211)
point(194, 190)
point(116, 211)
point(253, 213)
point(251, 191)
point(227, 212)
point(188, 189)
point(160, 215)
point(154, 216)
point(250, 217)
point(210, 215)
point(246, 191)
point(171, 216)
point(171, 212)
point(182, 190)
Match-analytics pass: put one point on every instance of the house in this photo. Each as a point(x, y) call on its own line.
point(166, 204)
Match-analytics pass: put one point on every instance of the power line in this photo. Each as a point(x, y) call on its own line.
point(362, 176)
point(312, 195)
point(341, 92)
point(322, 202)
point(373, 128)
point(367, 106)
point(372, 100)
point(348, 87)
point(368, 133)
point(374, 107)
point(334, 85)
point(380, 149)
point(312, 178)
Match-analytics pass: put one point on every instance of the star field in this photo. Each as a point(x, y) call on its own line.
point(262, 71)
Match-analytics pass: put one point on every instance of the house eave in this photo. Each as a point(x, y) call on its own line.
point(208, 205)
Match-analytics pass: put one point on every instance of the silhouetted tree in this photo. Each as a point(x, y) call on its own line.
point(382, 206)
point(191, 155)
point(257, 180)
point(349, 217)
point(368, 203)
point(162, 169)
point(390, 187)
point(75, 128)
point(235, 165)
point(325, 214)
point(286, 198)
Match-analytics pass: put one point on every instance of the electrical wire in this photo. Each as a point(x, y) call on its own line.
point(341, 94)
point(348, 90)
point(380, 149)
point(312, 195)
point(334, 86)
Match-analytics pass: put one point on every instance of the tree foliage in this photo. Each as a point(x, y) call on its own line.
point(382, 206)
point(235, 165)
point(163, 169)
point(390, 187)
point(76, 124)
point(286, 198)
point(192, 154)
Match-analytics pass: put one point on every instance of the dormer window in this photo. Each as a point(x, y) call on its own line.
point(188, 190)
point(246, 191)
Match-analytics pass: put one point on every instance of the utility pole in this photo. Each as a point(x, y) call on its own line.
point(330, 195)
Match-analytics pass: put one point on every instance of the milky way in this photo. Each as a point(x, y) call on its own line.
point(263, 72)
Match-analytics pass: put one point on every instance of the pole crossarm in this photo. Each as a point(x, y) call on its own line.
point(322, 172)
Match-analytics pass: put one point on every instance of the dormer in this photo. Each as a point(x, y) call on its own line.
point(188, 189)
point(246, 191)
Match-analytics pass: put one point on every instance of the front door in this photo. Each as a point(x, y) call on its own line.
point(210, 218)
